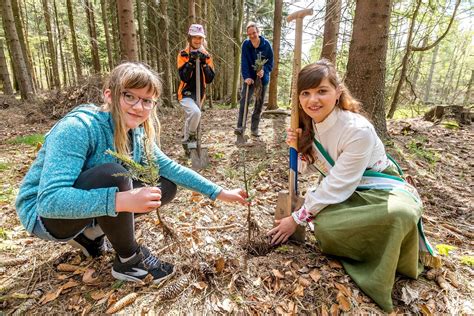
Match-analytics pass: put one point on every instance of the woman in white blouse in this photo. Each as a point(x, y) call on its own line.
point(363, 211)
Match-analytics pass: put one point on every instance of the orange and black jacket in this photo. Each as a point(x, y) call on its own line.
point(187, 73)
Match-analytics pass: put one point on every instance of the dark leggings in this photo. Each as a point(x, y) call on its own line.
point(120, 230)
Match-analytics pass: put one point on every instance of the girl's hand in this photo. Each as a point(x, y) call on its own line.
point(286, 227)
point(292, 135)
point(260, 73)
point(236, 195)
point(140, 200)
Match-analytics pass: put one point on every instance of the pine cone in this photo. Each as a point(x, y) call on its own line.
point(172, 290)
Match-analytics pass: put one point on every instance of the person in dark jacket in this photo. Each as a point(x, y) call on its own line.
point(256, 46)
point(195, 49)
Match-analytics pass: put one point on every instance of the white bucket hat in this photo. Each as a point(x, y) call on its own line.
point(196, 30)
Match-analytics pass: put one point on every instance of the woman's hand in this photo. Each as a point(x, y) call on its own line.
point(140, 200)
point(286, 227)
point(260, 73)
point(292, 135)
point(236, 195)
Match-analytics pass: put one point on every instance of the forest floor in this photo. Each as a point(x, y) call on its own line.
point(216, 275)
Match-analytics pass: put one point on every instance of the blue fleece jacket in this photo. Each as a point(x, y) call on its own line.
point(77, 143)
point(249, 55)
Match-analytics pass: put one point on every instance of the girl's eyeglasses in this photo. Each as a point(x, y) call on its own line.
point(132, 100)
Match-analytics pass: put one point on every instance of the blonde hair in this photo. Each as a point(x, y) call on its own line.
point(190, 37)
point(132, 75)
point(310, 77)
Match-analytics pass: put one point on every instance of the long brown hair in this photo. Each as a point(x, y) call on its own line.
point(132, 75)
point(310, 77)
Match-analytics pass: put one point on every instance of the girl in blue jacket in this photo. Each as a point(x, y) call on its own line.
point(71, 193)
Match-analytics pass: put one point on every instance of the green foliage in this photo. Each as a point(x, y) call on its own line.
point(259, 63)
point(3, 233)
point(31, 140)
point(283, 249)
point(219, 155)
point(451, 124)
point(467, 260)
point(410, 111)
point(445, 249)
point(4, 166)
point(415, 146)
point(117, 284)
point(7, 195)
point(148, 173)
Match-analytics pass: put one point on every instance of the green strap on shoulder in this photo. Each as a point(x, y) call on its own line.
point(367, 173)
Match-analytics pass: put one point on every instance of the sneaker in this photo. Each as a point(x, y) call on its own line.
point(192, 141)
point(90, 248)
point(192, 137)
point(255, 133)
point(140, 265)
point(238, 131)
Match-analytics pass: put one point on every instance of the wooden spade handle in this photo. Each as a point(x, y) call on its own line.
point(299, 14)
point(293, 176)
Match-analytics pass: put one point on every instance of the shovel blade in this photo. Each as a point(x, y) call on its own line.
point(199, 158)
point(282, 211)
point(241, 139)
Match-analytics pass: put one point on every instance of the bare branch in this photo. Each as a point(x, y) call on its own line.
point(420, 49)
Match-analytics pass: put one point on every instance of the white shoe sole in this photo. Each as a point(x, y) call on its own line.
point(126, 277)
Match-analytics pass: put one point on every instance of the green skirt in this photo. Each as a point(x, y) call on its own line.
point(375, 234)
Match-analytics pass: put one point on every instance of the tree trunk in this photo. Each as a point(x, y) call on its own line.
point(467, 97)
point(113, 14)
point(273, 90)
point(60, 40)
point(418, 65)
point(23, 40)
point(166, 65)
point(128, 35)
point(198, 11)
point(153, 34)
point(331, 29)
point(105, 21)
point(141, 31)
point(393, 106)
point(21, 69)
point(239, 7)
point(191, 12)
point(4, 74)
point(75, 51)
point(51, 46)
point(367, 59)
point(93, 35)
point(426, 97)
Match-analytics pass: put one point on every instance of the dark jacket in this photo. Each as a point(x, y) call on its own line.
point(187, 73)
point(249, 55)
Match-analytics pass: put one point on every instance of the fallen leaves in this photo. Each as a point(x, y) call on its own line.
point(90, 276)
point(278, 274)
point(51, 296)
point(315, 275)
